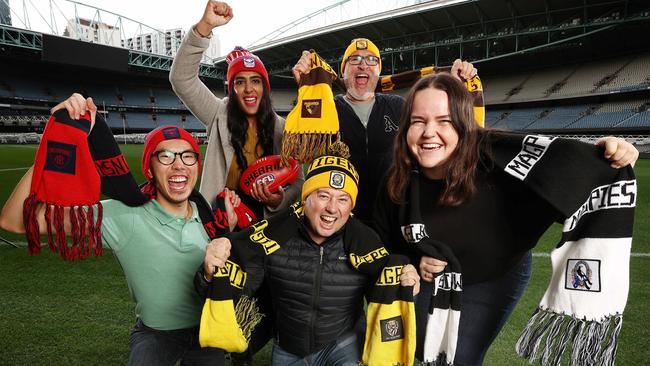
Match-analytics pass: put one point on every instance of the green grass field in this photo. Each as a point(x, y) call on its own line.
point(59, 313)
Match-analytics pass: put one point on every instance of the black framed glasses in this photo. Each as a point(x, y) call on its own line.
point(371, 60)
point(166, 157)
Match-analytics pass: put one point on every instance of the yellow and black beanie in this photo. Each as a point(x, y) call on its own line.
point(331, 172)
point(360, 44)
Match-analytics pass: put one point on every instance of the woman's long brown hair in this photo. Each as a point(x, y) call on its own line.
point(463, 161)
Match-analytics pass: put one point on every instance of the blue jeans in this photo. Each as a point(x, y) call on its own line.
point(165, 347)
point(343, 352)
point(485, 307)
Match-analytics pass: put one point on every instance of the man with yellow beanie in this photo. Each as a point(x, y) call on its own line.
point(320, 263)
point(368, 121)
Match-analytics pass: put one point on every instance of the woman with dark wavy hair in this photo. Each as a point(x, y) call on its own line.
point(242, 127)
point(468, 204)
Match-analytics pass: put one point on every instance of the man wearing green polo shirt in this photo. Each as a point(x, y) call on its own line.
point(159, 245)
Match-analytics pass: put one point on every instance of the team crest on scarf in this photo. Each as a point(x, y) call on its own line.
point(583, 275)
point(60, 157)
point(311, 108)
point(391, 329)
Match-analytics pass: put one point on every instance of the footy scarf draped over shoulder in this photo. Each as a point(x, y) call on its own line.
point(587, 293)
point(228, 318)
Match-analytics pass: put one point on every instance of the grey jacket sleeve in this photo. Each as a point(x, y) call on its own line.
point(184, 77)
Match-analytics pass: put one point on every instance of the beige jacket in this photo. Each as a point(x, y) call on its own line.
point(211, 111)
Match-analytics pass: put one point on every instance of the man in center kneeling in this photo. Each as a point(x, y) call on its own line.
point(320, 262)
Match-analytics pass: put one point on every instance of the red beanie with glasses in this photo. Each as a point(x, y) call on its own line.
point(159, 135)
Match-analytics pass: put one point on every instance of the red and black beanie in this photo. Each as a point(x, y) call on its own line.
point(159, 135)
point(241, 59)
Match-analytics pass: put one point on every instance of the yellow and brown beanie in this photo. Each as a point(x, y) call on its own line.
point(359, 44)
point(331, 172)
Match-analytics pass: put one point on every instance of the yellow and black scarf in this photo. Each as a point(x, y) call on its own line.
point(228, 317)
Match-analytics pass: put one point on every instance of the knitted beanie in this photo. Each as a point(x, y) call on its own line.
point(241, 59)
point(159, 135)
point(331, 172)
point(356, 45)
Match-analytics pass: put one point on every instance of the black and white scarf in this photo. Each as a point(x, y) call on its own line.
point(585, 299)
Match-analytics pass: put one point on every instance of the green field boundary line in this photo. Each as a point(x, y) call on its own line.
point(12, 169)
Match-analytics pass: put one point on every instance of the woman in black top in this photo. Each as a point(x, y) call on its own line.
point(485, 216)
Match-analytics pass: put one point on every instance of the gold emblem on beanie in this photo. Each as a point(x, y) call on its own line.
point(361, 44)
point(311, 108)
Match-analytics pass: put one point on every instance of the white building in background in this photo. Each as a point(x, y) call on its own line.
point(5, 13)
point(167, 43)
point(90, 31)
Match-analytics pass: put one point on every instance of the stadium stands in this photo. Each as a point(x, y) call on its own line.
point(620, 74)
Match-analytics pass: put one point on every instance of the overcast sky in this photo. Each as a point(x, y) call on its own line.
point(253, 18)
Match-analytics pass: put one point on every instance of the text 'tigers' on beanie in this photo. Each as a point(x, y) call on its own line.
point(241, 59)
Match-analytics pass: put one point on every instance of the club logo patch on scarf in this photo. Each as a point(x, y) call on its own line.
point(583, 275)
point(249, 62)
point(413, 233)
point(61, 157)
point(311, 108)
point(532, 149)
point(391, 329)
point(337, 180)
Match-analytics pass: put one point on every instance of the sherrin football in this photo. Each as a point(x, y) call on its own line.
point(269, 170)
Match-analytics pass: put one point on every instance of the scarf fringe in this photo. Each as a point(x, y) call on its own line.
point(31, 225)
point(248, 315)
point(440, 360)
point(307, 146)
point(82, 227)
point(547, 335)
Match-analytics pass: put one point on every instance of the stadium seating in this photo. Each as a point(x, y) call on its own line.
point(166, 98)
point(634, 75)
point(283, 100)
point(135, 96)
point(617, 74)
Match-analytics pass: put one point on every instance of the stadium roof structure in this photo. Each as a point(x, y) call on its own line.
point(497, 34)
point(437, 32)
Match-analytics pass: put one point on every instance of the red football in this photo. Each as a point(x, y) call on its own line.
point(269, 171)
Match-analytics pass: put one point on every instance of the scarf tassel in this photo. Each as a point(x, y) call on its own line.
point(248, 315)
point(547, 335)
point(305, 147)
point(31, 225)
point(82, 227)
point(440, 360)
